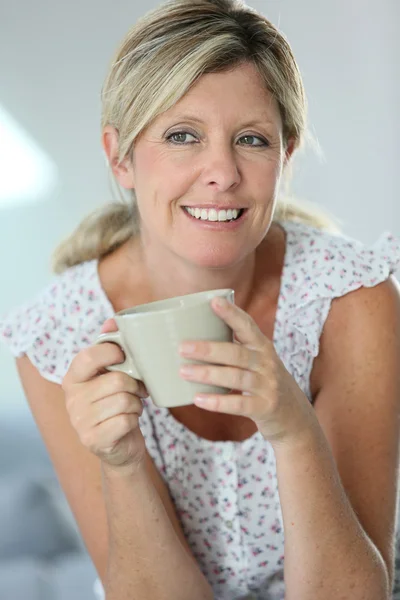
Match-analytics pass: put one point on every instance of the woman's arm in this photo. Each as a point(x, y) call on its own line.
point(79, 472)
point(146, 557)
point(338, 486)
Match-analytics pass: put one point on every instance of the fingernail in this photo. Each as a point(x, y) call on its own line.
point(186, 370)
point(200, 400)
point(187, 348)
point(219, 301)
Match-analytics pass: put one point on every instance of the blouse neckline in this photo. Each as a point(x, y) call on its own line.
point(223, 447)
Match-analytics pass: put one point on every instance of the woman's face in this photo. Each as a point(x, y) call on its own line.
point(218, 149)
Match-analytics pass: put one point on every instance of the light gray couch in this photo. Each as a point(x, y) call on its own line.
point(42, 556)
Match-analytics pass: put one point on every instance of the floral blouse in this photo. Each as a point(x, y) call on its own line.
point(225, 493)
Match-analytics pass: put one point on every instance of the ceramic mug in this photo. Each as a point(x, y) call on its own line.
point(150, 335)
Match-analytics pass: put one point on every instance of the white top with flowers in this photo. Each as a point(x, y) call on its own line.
point(225, 492)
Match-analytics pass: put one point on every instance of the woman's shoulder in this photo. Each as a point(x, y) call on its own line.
point(62, 318)
point(319, 267)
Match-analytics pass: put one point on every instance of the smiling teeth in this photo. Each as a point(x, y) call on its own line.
point(212, 214)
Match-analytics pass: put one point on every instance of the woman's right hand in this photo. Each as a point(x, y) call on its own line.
point(104, 406)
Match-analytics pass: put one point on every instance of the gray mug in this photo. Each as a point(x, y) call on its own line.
point(150, 335)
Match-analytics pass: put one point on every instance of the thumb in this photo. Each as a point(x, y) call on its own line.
point(109, 325)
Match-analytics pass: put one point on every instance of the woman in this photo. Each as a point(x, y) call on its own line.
point(287, 487)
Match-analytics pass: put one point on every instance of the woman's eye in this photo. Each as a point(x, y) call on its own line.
point(177, 134)
point(172, 138)
point(254, 137)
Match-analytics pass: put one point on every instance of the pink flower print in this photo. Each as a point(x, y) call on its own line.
point(264, 563)
point(248, 496)
point(200, 501)
point(207, 544)
point(256, 551)
point(271, 547)
point(203, 520)
point(276, 528)
point(242, 482)
point(329, 255)
point(213, 501)
point(8, 332)
point(261, 520)
point(203, 474)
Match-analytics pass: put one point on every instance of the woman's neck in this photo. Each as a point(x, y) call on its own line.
point(134, 274)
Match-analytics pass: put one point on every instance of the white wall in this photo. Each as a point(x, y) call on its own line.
point(53, 57)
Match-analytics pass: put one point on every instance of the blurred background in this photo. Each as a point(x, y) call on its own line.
point(53, 58)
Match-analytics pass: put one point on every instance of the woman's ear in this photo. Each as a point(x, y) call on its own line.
point(290, 148)
point(122, 171)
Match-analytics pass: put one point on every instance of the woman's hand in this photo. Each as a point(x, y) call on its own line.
point(104, 406)
point(267, 393)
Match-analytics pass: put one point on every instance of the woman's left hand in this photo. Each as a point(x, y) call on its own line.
point(270, 395)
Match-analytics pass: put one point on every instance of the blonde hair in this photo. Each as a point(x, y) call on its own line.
point(157, 62)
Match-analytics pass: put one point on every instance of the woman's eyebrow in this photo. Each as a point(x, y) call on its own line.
point(197, 119)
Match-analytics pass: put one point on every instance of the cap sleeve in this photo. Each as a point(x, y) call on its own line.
point(361, 266)
point(323, 267)
point(61, 320)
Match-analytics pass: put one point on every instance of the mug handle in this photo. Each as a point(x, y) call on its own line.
point(128, 365)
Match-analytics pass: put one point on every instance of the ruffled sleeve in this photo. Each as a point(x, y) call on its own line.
point(61, 320)
point(321, 267)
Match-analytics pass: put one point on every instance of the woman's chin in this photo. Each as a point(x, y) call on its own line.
point(215, 260)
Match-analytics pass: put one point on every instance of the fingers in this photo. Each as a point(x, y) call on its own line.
point(103, 409)
point(102, 438)
point(235, 404)
point(109, 325)
point(242, 324)
point(113, 382)
point(223, 353)
point(90, 362)
point(228, 377)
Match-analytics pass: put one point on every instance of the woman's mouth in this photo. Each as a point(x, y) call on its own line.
point(215, 219)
